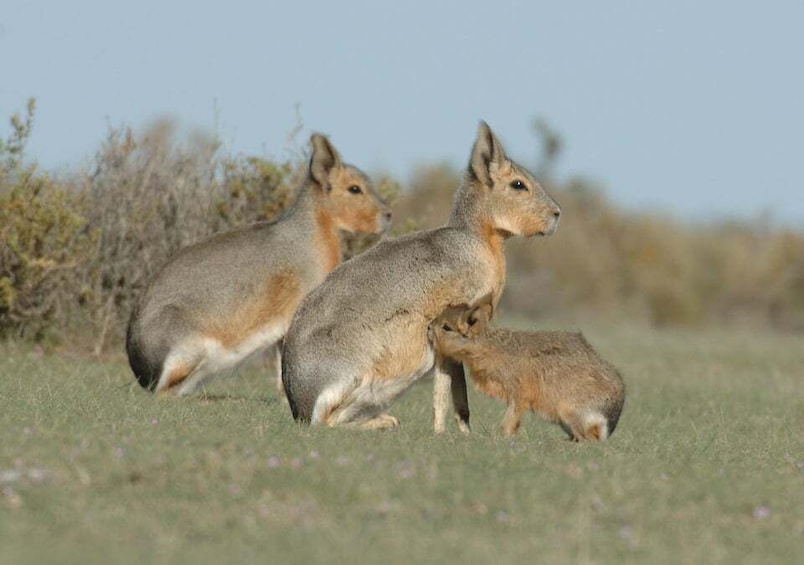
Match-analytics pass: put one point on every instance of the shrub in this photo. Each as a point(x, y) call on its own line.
point(78, 251)
point(43, 240)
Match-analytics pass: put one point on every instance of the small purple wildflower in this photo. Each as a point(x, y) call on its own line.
point(761, 512)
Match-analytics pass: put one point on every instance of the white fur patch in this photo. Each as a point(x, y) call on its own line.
point(331, 396)
point(596, 419)
point(366, 398)
point(503, 223)
point(212, 359)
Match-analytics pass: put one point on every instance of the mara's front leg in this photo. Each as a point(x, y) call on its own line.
point(449, 380)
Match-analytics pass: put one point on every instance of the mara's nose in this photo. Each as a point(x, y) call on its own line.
point(387, 215)
point(557, 213)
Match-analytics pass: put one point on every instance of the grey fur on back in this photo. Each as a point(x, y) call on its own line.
point(214, 275)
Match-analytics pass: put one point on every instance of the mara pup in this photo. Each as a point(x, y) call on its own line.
point(217, 302)
point(556, 374)
point(360, 339)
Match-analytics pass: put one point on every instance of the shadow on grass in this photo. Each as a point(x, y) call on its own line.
point(207, 397)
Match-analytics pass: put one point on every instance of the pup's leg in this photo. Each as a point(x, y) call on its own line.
point(512, 418)
point(449, 379)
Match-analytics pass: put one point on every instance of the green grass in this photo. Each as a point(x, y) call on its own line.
point(706, 466)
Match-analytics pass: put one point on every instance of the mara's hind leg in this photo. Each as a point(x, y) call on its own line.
point(178, 373)
point(512, 418)
point(355, 413)
point(273, 356)
point(353, 406)
point(185, 369)
point(449, 379)
point(379, 422)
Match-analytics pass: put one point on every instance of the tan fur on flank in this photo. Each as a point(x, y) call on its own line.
point(219, 301)
point(556, 374)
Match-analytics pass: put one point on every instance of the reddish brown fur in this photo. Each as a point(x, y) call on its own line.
point(352, 212)
point(275, 301)
point(388, 367)
point(177, 376)
point(523, 221)
point(327, 240)
point(555, 374)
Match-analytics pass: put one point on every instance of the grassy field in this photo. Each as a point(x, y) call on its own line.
point(706, 466)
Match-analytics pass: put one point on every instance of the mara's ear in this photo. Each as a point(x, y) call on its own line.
point(486, 150)
point(324, 158)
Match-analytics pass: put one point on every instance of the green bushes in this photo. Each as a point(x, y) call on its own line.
point(44, 239)
point(77, 251)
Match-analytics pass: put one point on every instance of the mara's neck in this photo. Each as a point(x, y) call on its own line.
point(470, 214)
point(314, 219)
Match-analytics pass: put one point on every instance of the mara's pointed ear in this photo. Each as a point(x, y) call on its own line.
point(486, 150)
point(324, 158)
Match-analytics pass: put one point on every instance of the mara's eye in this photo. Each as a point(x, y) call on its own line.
point(518, 185)
point(446, 328)
point(354, 189)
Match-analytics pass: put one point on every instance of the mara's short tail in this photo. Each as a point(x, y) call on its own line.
point(289, 393)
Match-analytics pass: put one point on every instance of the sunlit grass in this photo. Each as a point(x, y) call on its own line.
point(706, 466)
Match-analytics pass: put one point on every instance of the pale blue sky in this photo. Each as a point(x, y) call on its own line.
point(690, 107)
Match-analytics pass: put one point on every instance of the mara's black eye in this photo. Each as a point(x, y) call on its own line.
point(518, 185)
point(446, 328)
point(354, 189)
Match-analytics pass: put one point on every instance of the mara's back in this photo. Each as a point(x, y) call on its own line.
point(212, 276)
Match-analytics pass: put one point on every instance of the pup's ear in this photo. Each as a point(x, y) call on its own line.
point(476, 321)
point(486, 150)
point(486, 304)
point(324, 159)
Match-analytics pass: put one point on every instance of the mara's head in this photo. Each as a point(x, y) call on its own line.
point(459, 324)
point(353, 203)
point(500, 195)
